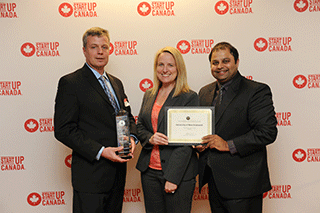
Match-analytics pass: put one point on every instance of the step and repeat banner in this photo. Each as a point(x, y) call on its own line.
point(40, 41)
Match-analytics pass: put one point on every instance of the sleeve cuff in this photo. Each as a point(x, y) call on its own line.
point(99, 153)
point(232, 147)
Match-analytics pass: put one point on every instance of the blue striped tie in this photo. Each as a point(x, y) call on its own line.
point(109, 93)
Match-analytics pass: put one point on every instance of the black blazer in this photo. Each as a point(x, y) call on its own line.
point(178, 162)
point(246, 116)
point(84, 120)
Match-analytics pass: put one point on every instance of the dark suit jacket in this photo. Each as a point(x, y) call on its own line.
point(84, 120)
point(246, 116)
point(178, 162)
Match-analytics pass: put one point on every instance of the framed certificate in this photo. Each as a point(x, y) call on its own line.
point(187, 125)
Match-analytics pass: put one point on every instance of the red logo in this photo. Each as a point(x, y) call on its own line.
point(183, 46)
point(144, 8)
point(28, 49)
point(299, 155)
point(34, 199)
point(221, 7)
point(68, 161)
point(31, 125)
point(300, 81)
point(145, 84)
point(300, 5)
point(265, 194)
point(260, 44)
point(65, 9)
point(111, 49)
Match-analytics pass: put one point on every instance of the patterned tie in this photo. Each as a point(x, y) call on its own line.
point(109, 93)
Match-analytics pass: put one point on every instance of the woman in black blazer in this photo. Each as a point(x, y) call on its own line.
point(167, 172)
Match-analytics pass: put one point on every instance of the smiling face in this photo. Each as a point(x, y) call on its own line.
point(97, 52)
point(223, 65)
point(166, 69)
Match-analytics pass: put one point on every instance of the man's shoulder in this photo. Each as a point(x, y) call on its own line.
point(208, 87)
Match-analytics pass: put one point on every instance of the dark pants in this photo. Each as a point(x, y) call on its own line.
point(219, 204)
point(102, 202)
point(157, 200)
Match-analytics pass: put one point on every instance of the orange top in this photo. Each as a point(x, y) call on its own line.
point(155, 162)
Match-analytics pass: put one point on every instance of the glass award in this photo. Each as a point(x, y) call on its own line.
point(123, 133)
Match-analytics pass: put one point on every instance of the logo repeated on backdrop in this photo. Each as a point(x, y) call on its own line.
point(196, 46)
point(203, 195)
point(7, 10)
point(120, 48)
point(12, 163)
point(273, 44)
point(78, 10)
point(41, 49)
point(302, 5)
point(312, 82)
point(145, 84)
point(132, 195)
point(279, 192)
point(10, 88)
point(50, 198)
point(44, 125)
point(283, 118)
point(311, 155)
point(156, 8)
point(234, 7)
point(68, 160)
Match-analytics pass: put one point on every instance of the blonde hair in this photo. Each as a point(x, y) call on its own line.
point(181, 80)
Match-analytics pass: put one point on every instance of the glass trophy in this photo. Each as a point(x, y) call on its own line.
point(123, 133)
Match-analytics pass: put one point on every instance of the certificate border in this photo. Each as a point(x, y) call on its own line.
point(188, 108)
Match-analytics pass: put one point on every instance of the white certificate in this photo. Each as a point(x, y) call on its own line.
point(187, 125)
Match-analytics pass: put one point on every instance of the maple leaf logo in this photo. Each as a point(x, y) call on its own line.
point(260, 44)
point(301, 5)
point(299, 155)
point(300, 81)
point(145, 84)
point(27, 49)
point(31, 125)
point(183, 46)
point(144, 8)
point(68, 161)
point(221, 7)
point(34, 199)
point(65, 9)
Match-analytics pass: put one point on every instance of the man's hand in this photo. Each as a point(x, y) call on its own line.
point(110, 154)
point(215, 142)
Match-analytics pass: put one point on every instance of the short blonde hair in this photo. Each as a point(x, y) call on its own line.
point(181, 81)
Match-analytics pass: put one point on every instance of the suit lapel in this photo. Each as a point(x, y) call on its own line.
point(169, 102)
point(95, 83)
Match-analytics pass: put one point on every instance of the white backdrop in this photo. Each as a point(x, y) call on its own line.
point(40, 41)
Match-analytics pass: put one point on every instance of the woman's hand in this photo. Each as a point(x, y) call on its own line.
point(159, 139)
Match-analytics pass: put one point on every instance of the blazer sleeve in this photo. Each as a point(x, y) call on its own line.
point(144, 126)
point(262, 122)
point(66, 121)
point(181, 155)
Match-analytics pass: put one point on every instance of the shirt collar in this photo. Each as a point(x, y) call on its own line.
point(96, 73)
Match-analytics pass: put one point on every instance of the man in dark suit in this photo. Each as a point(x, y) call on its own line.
point(233, 161)
point(84, 120)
